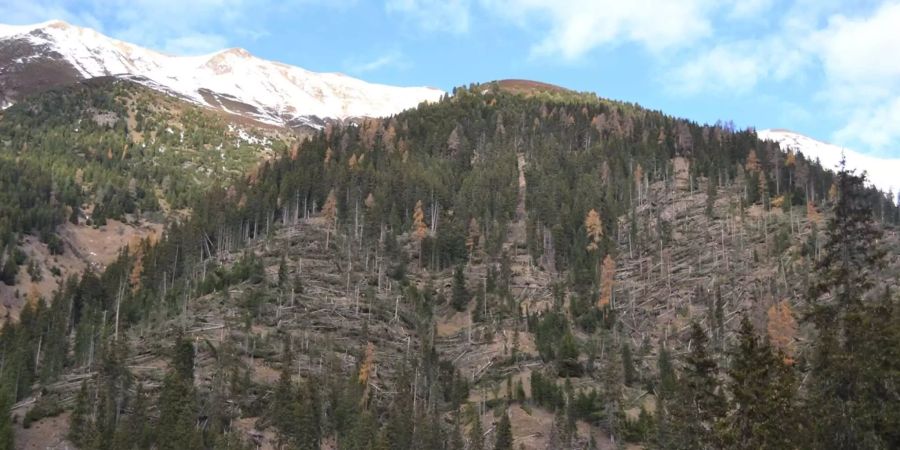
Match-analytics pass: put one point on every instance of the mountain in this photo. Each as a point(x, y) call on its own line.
point(882, 172)
point(515, 262)
point(36, 57)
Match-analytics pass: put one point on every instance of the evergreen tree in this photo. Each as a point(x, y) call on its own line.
point(308, 414)
point(80, 421)
point(133, 431)
point(460, 298)
point(476, 432)
point(177, 403)
point(504, 433)
point(698, 408)
point(852, 368)
point(762, 387)
point(282, 406)
point(628, 372)
point(6, 429)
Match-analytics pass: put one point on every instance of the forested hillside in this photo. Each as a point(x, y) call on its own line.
point(511, 267)
point(109, 149)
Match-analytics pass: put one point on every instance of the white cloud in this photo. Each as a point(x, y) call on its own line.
point(859, 59)
point(723, 69)
point(434, 15)
point(390, 59)
point(175, 26)
point(576, 27)
point(863, 49)
point(876, 126)
point(195, 44)
point(747, 9)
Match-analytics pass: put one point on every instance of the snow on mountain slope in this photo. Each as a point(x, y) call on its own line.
point(232, 80)
point(882, 172)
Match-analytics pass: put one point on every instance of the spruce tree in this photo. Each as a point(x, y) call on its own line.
point(177, 402)
point(307, 413)
point(79, 421)
point(460, 298)
point(628, 364)
point(476, 432)
point(852, 369)
point(504, 433)
point(763, 412)
point(6, 429)
point(698, 408)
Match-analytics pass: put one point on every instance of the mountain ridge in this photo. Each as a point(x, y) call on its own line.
point(231, 79)
point(881, 172)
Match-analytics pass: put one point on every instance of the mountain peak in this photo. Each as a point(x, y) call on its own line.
point(881, 172)
point(232, 79)
point(236, 51)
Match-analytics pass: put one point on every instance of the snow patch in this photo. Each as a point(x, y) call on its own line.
point(279, 92)
point(883, 173)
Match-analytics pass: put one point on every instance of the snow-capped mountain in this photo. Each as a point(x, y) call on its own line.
point(35, 57)
point(883, 173)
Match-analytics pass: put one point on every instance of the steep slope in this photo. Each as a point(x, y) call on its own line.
point(35, 57)
point(491, 253)
point(88, 168)
point(882, 172)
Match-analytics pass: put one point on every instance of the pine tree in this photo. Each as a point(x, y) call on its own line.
point(762, 390)
point(6, 429)
point(79, 421)
point(282, 272)
point(308, 416)
point(699, 408)
point(476, 432)
point(133, 432)
point(504, 433)
point(849, 388)
point(282, 406)
point(460, 298)
point(711, 194)
point(628, 371)
point(177, 402)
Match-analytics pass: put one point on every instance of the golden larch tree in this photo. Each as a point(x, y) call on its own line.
point(812, 214)
point(329, 213)
point(791, 159)
point(782, 329)
point(752, 164)
point(594, 227)
point(607, 280)
point(473, 237)
point(420, 230)
point(365, 372)
point(419, 227)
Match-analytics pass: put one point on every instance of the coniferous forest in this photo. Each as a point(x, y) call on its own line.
point(502, 269)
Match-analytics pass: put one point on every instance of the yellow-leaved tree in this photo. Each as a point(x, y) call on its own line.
point(607, 280)
point(594, 227)
point(752, 164)
point(782, 329)
point(329, 213)
point(812, 214)
point(420, 230)
point(365, 373)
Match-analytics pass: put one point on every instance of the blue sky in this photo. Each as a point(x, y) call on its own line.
point(826, 68)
